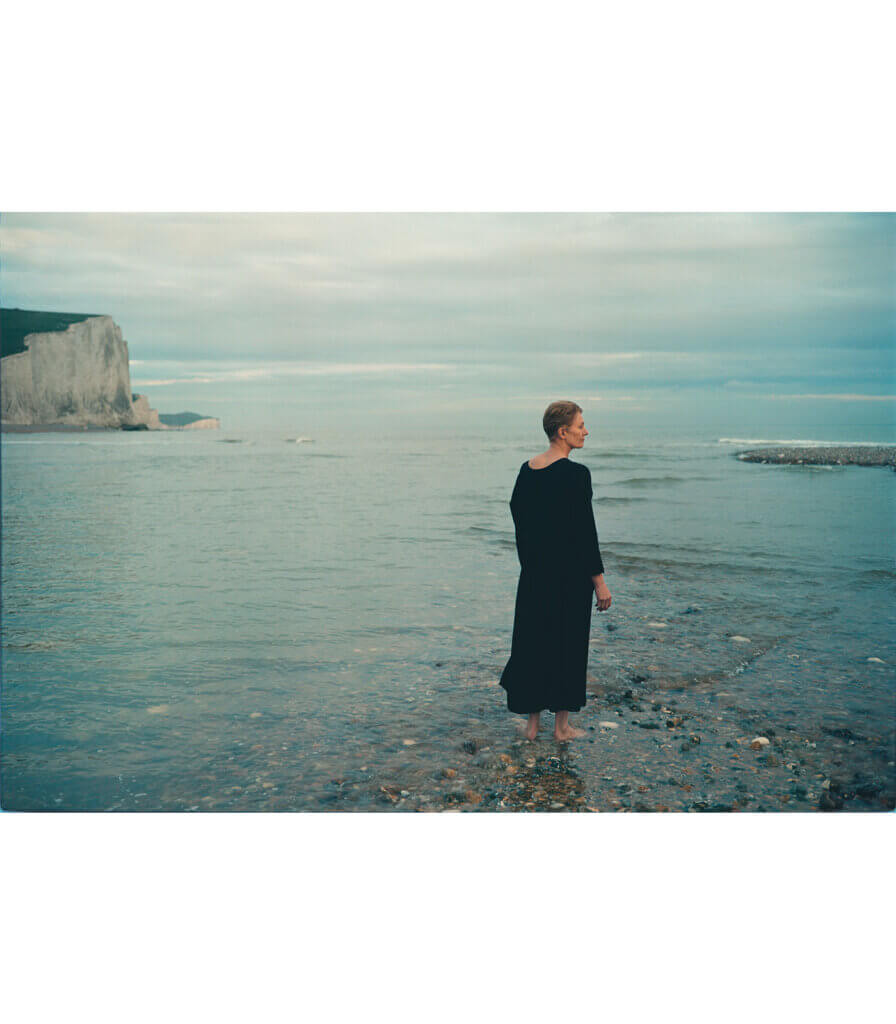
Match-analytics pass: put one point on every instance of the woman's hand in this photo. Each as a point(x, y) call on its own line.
point(604, 597)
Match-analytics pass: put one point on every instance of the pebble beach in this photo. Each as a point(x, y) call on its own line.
point(824, 455)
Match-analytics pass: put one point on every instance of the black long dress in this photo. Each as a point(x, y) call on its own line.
point(556, 540)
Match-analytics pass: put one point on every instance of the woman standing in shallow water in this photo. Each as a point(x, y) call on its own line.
point(560, 571)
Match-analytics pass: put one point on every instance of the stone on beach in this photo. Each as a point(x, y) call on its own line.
point(741, 639)
point(829, 802)
point(608, 725)
point(758, 743)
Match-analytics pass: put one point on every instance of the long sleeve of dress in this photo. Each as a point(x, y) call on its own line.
point(590, 545)
point(517, 512)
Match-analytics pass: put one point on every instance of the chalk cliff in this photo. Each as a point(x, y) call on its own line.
point(209, 423)
point(143, 413)
point(76, 376)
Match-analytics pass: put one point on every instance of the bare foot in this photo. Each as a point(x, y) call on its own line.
point(531, 732)
point(569, 733)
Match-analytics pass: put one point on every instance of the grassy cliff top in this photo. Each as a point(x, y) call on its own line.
point(16, 324)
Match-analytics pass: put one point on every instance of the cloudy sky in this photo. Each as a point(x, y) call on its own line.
point(449, 311)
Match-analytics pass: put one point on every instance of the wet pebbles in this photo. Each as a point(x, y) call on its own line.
point(824, 455)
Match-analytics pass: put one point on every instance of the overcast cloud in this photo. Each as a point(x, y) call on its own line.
point(613, 306)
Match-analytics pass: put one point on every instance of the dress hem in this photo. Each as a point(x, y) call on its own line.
point(553, 711)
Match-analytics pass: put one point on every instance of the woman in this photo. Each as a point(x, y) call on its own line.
point(561, 568)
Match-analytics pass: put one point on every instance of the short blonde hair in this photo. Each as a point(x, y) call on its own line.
point(559, 414)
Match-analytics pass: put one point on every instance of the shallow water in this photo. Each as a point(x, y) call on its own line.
point(197, 625)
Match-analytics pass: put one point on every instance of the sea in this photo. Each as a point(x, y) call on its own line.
point(216, 620)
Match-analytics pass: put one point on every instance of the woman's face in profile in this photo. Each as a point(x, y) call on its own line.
point(576, 432)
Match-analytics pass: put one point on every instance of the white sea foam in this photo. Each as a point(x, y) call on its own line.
point(801, 443)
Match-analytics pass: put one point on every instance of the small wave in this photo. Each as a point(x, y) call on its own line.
point(623, 455)
point(687, 568)
point(802, 467)
point(640, 481)
point(497, 538)
point(611, 500)
point(90, 444)
point(803, 443)
point(643, 545)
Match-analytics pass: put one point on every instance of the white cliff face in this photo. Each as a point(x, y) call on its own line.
point(210, 423)
point(143, 414)
point(79, 377)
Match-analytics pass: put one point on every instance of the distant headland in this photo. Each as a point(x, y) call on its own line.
point(71, 371)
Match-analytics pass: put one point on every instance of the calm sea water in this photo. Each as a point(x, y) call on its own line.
point(190, 623)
